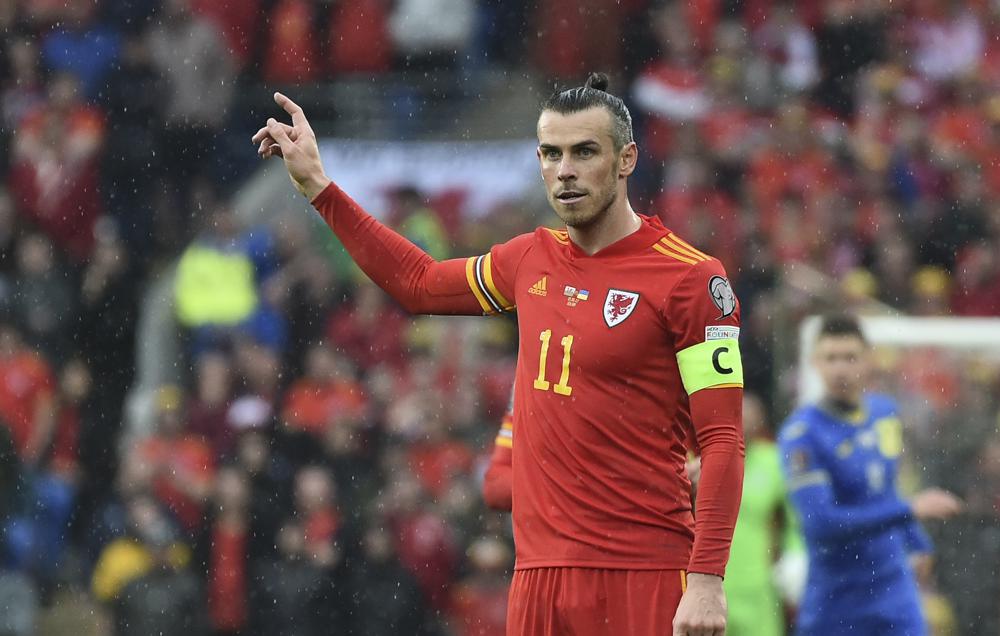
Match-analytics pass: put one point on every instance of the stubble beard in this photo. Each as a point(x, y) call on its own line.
point(586, 219)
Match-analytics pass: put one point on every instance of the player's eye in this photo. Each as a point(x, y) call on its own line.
point(585, 153)
point(552, 155)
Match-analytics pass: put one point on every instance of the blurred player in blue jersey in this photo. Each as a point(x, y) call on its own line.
point(839, 457)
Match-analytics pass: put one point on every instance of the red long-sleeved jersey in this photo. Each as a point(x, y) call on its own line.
point(624, 356)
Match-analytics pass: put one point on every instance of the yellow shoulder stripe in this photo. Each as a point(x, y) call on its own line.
point(662, 250)
point(677, 247)
point(559, 235)
point(684, 243)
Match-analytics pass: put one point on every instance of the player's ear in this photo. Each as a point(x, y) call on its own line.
point(627, 159)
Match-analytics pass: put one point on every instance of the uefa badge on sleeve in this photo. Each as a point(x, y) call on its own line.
point(618, 306)
point(722, 295)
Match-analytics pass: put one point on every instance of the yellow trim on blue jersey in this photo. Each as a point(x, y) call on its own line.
point(890, 436)
point(857, 417)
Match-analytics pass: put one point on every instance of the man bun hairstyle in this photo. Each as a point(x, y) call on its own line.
point(598, 81)
point(594, 92)
point(840, 325)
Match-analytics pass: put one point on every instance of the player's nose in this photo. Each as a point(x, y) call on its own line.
point(566, 170)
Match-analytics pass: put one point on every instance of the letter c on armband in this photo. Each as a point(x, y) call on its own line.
point(718, 365)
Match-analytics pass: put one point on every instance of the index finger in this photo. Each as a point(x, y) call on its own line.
point(293, 109)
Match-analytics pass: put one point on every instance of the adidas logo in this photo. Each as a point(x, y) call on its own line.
point(540, 288)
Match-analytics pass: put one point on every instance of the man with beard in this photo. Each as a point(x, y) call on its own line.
point(628, 351)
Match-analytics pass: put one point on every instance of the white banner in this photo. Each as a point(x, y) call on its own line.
point(484, 173)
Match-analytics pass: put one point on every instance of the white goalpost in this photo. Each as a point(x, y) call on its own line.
point(975, 337)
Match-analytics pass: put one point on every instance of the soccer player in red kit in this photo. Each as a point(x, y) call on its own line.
point(628, 349)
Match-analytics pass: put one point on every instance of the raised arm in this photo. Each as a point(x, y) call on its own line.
point(407, 273)
point(418, 282)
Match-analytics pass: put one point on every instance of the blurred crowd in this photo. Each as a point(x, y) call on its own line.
point(856, 138)
point(319, 462)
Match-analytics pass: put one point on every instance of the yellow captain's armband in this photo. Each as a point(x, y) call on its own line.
point(711, 363)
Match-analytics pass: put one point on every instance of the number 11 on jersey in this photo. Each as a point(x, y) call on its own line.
point(562, 387)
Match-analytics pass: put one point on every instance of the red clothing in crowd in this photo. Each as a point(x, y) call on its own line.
point(227, 578)
point(209, 421)
point(983, 300)
point(435, 463)
point(25, 381)
point(578, 35)
point(427, 548)
point(321, 526)
point(291, 55)
point(188, 458)
point(236, 20)
point(64, 457)
point(773, 175)
point(977, 285)
point(962, 130)
point(369, 340)
point(671, 94)
point(54, 174)
point(312, 406)
point(359, 38)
